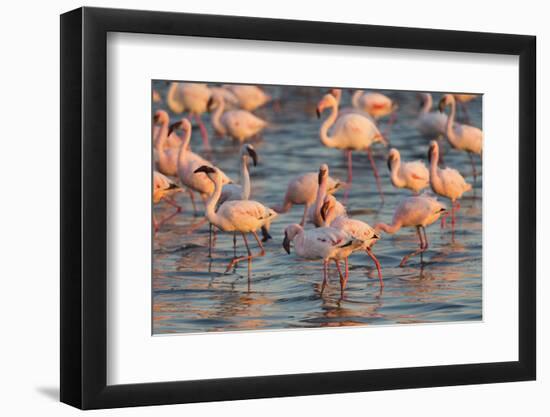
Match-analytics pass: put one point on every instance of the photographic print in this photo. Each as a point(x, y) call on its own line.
point(291, 207)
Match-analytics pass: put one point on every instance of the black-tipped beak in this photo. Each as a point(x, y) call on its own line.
point(210, 103)
point(324, 210)
point(252, 152)
point(173, 127)
point(389, 162)
point(205, 168)
point(322, 173)
point(318, 112)
point(286, 244)
point(441, 105)
point(430, 154)
point(442, 210)
point(156, 118)
point(376, 236)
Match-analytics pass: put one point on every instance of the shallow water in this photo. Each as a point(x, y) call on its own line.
point(191, 292)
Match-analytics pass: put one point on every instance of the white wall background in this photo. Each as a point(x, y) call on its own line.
point(29, 234)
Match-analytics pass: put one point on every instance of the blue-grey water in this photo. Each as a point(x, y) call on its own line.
point(191, 292)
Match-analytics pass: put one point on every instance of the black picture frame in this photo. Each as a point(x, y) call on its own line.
point(84, 207)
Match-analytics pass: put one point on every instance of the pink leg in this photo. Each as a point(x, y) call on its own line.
point(192, 197)
point(350, 169)
point(342, 278)
point(474, 170)
point(378, 267)
point(250, 255)
point(347, 270)
point(325, 275)
point(204, 133)
point(306, 207)
point(391, 121)
point(421, 249)
point(173, 203)
point(376, 176)
point(444, 219)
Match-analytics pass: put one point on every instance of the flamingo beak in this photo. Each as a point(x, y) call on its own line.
point(324, 210)
point(441, 105)
point(376, 236)
point(252, 152)
point(205, 168)
point(390, 159)
point(321, 175)
point(210, 103)
point(430, 154)
point(156, 118)
point(286, 243)
point(173, 127)
point(318, 111)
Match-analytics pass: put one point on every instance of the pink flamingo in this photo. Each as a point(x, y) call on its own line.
point(351, 132)
point(237, 124)
point(192, 98)
point(326, 243)
point(356, 228)
point(244, 216)
point(462, 137)
point(412, 175)
point(414, 211)
point(446, 182)
point(314, 211)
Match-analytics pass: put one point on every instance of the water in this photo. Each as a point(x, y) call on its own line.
point(191, 293)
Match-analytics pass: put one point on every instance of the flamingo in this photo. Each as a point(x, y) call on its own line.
point(446, 182)
point(192, 98)
point(412, 175)
point(460, 136)
point(414, 211)
point(430, 124)
point(326, 243)
point(163, 187)
point(351, 132)
point(249, 97)
point(231, 192)
point(244, 216)
point(188, 161)
point(314, 211)
point(356, 228)
point(303, 190)
point(238, 124)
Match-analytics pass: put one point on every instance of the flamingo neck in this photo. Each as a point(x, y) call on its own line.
point(212, 202)
point(428, 103)
point(321, 194)
point(355, 98)
point(389, 228)
point(323, 133)
point(184, 145)
point(162, 136)
point(450, 122)
point(216, 118)
point(394, 173)
point(245, 179)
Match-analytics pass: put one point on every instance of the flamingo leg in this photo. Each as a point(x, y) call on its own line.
point(474, 170)
point(306, 207)
point(196, 226)
point(350, 168)
point(420, 250)
point(210, 240)
point(165, 219)
point(464, 109)
point(325, 274)
point(173, 203)
point(235, 244)
point(377, 263)
point(156, 226)
point(346, 264)
point(192, 197)
point(342, 278)
point(376, 176)
point(204, 133)
point(391, 121)
point(250, 255)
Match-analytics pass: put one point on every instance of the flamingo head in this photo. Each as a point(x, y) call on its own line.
point(445, 101)
point(327, 101)
point(323, 173)
point(393, 156)
point(214, 101)
point(161, 116)
point(206, 169)
point(433, 151)
point(183, 124)
point(248, 150)
point(290, 233)
point(336, 92)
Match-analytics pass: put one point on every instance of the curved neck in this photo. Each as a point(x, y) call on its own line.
point(321, 194)
point(428, 103)
point(162, 136)
point(394, 173)
point(388, 228)
point(210, 211)
point(245, 178)
point(184, 144)
point(450, 121)
point(323, 133)
point(216, 118)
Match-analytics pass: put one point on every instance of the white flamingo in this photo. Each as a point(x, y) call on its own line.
point(244, 216)
point(412, 175)
point(163, 188)
point(303, 190)
point(430, 124)
point(237, 124)
point(192, 98)
point(356, 228)
point(249, 97)
point(188, 161)
point(418, 212)
point(326, 243)
point(351, 132)
point(314, 211)
point(232, 191)
point(460, 136)
point(446, 182)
